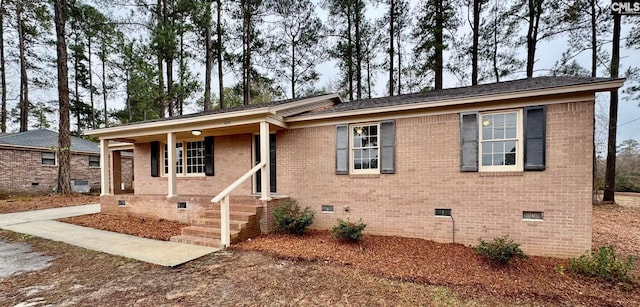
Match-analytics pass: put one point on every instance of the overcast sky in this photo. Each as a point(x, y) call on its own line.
point(548, 53)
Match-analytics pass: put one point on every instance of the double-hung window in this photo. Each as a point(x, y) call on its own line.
point(501, 141)
point(190, 158)
point(364, 148)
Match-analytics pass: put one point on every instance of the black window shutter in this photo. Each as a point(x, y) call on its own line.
point(535, 134)
point(208, 156)
point(387, 147)
point(342, 149)
point(155, 159)
point(469, 142)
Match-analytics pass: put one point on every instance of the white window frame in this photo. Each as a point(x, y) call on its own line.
point(89, 158)
point(352, 169)
point(519, 139)
point(55, 158)
point(184, 158)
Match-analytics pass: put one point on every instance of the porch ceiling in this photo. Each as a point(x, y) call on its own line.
point(186, 134)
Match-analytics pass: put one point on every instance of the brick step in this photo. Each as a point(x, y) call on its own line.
point(236, 207)
point(207, 232)
point(211, 242)
point(233, 215)
point(216, 223)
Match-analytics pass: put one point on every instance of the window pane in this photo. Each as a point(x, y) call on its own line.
point(486, 159)
point(497, 159)
point(511, 119)
point(486, 147)
point(510, 159)
point(357, 141)
point(498, 120)
point(373, 130)
point(510, 133)
point(498, 147)
point(498, 133)
point(510, 146)
point(357, 154)
point(373, 141)
point(365, 164)
point(374, 163)
point(486, 133)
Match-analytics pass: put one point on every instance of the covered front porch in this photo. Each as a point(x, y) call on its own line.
point(213, 170)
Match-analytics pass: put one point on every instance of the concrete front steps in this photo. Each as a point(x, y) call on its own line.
point(244, 214)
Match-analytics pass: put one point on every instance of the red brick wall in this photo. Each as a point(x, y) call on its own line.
point(22, 172)
point(484, 205)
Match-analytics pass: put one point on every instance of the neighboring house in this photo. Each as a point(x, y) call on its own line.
point(29, 162)
point(454, 165)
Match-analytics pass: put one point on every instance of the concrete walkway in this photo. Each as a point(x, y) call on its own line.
point(41, 223)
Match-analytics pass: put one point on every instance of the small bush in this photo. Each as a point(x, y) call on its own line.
point(348, 231)
point(604, 264)
point(291, 219)
point(500, 250)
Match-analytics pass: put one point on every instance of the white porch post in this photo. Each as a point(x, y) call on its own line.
point(105, 165)
point(225, 225)
point(171, 159)
point(264, 156)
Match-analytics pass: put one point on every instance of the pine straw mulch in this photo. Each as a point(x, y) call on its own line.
point(535, 279)
point(150, 228)
point(28, 203)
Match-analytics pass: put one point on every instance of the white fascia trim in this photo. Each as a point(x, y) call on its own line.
point(175, 122)
point(594, 87)
point(303, 102)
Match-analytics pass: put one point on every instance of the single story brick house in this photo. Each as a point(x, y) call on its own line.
point(454, 165)
point(29, 163)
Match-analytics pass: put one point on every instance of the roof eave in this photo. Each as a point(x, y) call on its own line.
point(590, 87)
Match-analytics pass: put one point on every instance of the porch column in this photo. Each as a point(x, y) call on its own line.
point(171, 159)
point(104, 167)
point(264, 156)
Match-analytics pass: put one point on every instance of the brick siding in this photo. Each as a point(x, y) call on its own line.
point(23, 172)
point(484, 205)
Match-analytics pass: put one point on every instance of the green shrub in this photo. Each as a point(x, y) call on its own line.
point(605, 264)
point(500, 250)
point(348, 231)
point(291, 219)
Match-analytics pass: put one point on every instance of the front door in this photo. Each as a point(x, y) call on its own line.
point(272, 165)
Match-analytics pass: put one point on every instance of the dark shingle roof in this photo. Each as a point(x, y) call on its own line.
point(513, 86)
point(43, 138)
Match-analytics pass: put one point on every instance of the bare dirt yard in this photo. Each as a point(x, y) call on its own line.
point(316, 269)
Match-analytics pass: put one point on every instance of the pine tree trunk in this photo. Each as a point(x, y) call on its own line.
point(220, 50)
point(64, 142)
point(392, 14)
point(24, 86)
point(358, 44)
point(610, 176)
point(104, 86)
point(208, 60)
point(160, 105)
point(93, 108)
point(246, 65)
point(349, 57)
point(474, 46)
point(439, 42)
point(3, 75)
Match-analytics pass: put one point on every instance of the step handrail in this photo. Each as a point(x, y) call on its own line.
point(223, 199)
point(237, 183)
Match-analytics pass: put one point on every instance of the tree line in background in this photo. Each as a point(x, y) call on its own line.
point(151, 54)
